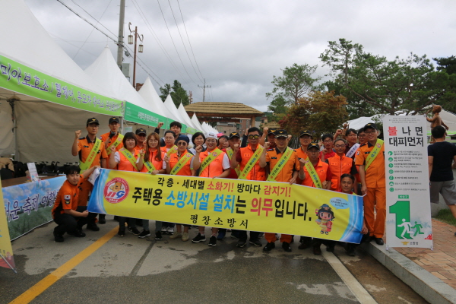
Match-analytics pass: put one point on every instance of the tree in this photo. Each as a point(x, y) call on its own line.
point(278, 107)
point(320, 112)
point(296, 82)
point(178, 94)
point(388, 86)
point(447, 64)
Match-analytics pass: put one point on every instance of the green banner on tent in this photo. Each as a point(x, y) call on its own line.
point(139, 115)
point(25, 80)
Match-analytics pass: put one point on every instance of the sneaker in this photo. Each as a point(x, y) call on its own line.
point(221, 235)
point(176, 235)
point(164, 230)
point(121, 232)
point(213, 241)
point(316, 249)
point(93, 227)
point(58, 238)
point(129, 229)
point(102, 219)
point(170, 230)
point(241, 243)
point(135, 231)
point(158, 236)
point(144, 234)
point(261, 234)
point(269, 247)
point(286, 246)
point(199, 238)
point(185, 237)
point(256, 243)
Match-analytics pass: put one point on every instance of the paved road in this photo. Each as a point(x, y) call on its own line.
point(136, 270)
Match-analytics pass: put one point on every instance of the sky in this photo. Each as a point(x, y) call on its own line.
point(240, 45)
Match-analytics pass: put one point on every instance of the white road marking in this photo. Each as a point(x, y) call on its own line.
point(356, 288)
point(337, 289)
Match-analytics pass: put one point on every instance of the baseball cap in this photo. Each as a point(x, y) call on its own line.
point(113, 120)
point(313, 145)
point(234, 134)
point(92, 120)
point(305, 132)
point(370, 126)
point(272, 131)
point(211, 135)
point(281, 133)
point(141, 131)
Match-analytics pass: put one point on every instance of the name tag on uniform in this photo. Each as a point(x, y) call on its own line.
point(273, 157)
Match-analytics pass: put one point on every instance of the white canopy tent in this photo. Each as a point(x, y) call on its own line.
point(169, 104)
point(196, 123)
point(184, 115)
point(51, 94)
point(149, 94)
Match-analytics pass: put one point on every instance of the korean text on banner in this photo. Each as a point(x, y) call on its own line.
point(227, 203)
point(408, 211)
point(6, 250)
point(29, 205)
point(25, 80)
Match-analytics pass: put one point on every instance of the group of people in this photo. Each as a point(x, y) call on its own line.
point(351, 162)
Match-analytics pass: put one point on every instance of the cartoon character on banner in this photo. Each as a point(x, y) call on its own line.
point(325, 217)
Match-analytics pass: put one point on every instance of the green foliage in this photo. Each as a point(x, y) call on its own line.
point(278, 108)
point(447, 64)
point(387, 86)
point(321, 112)
point(296, 82)
point(178, 94)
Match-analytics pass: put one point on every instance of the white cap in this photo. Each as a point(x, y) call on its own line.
point(211, 135)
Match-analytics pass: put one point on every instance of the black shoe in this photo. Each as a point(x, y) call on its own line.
point(58, 238)
point(221, 235)
point(330, 248)
point(199, 238)
point(93, 227)
point(158, 236)
point(121, 232)
point(102, 219)
point(144, 234)
point(269, 247)
point(379, 241)
point(79, 233)
point(256, 243)
point(286, 246)
point(135, 231)
point(241, 243)
point(213, 241)
point(316, 249)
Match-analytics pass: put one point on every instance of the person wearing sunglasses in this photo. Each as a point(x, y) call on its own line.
point(213, 163)
point(248, 159)
point(180, 163)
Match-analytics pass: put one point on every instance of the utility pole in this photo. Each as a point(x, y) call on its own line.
point(204, 89)
point(120, 42)
point(140, 48)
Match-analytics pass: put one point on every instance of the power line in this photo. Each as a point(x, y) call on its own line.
point(92, 29)
point(94, 17)
point(172, 40)
point(182, 39)
point(140, 12)
point(188, 38)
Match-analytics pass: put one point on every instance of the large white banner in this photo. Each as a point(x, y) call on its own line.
point(408, 211)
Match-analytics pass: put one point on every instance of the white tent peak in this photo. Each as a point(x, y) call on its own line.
point(111, 78)
point(171, 107)
point(185, 116)
point(151, 97)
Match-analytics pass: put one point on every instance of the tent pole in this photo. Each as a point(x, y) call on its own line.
point(12, 104)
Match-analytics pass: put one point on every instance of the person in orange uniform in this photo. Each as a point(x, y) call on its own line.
point(180, 163)
point(371, 161)
point(340, 164)
point(154, 163)
point(305, 138)
point(141, 137)
point(66, 213)
point(127, 159)
point(328, 142)
point(113, 137)
point(280, 171)
point(249, 160)
point(323, 172)
point(271, 138)
point(213, 163)
point(92, 153)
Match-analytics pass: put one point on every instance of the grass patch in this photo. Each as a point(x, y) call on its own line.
point(446, 216)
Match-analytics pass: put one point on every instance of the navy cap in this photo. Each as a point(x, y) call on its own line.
point(272, 131)
point(305, 132)
point(370, 126)
point(281, 133)
point(141, 131)
point(92, 120)
point(313, 145)
point(113, 120)
point(234, 134)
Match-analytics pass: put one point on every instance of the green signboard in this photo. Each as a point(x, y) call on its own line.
point(142, 116)
point(25, 80)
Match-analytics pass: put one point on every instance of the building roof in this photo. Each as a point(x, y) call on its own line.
point(222, 109)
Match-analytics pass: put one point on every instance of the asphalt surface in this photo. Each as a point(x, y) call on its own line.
point(129, 269)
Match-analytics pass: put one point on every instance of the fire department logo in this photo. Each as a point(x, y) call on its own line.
point(116, 190)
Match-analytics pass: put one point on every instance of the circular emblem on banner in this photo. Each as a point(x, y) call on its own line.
point(116, 190)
